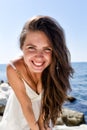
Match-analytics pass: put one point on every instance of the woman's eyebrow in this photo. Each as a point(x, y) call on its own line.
point(30, 44)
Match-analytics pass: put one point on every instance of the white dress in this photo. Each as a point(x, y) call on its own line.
point(13, 118)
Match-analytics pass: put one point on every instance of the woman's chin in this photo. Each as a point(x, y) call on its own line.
point(38, 70)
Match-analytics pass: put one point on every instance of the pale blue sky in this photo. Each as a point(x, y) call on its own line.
point(71, 14)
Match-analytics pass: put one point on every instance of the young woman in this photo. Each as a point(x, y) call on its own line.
point(39, 78)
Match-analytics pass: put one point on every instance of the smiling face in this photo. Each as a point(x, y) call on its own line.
point(37, 51)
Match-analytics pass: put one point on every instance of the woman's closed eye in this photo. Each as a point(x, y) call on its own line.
point(48, 50)
point(34, 49)
point(31, 48)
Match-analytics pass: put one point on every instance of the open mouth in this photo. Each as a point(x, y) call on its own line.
point(38, 64)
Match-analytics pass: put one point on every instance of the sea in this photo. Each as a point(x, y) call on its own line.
point(78, 85)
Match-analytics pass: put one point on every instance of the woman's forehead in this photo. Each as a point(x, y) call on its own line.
point(37, 37)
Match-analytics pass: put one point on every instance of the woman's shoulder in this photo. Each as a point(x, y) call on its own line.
point(16, 63)
point(15, 68)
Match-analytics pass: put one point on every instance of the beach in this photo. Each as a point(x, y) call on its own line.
point(81, 127)
point(64, 127)
point(5, 90)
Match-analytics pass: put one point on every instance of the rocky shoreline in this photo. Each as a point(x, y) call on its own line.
point(68, 118)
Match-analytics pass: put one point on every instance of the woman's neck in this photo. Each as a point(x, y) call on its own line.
point(35, 77)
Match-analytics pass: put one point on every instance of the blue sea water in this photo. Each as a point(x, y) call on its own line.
point(79, 88)
point(3, 72)
point(78, 85)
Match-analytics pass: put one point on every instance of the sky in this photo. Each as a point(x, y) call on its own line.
point(71, 15)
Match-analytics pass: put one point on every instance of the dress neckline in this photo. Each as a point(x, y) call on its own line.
point(38, 94)
point(13, 66)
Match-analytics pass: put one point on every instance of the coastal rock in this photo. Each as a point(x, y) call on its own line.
point(2, 110)
point(68, 117)
point(0, 117)
point(5, 90)
point(71, 118)
point(71, 99)
point(64, 127)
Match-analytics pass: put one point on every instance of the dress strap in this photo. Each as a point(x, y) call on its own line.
point(18, 72)
point(13, 66)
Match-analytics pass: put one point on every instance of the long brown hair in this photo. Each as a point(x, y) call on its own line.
point(55, 78)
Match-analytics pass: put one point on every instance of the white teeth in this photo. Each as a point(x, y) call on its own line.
point(38, 64)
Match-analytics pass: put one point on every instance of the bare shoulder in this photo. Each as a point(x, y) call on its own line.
point(18, 63)
point(15, 64)
point(12, 69)
point(15, 82)
point(13, 78)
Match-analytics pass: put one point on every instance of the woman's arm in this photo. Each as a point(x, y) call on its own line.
point(18, 86)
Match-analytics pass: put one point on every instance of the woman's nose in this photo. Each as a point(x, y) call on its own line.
point(39, 53)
